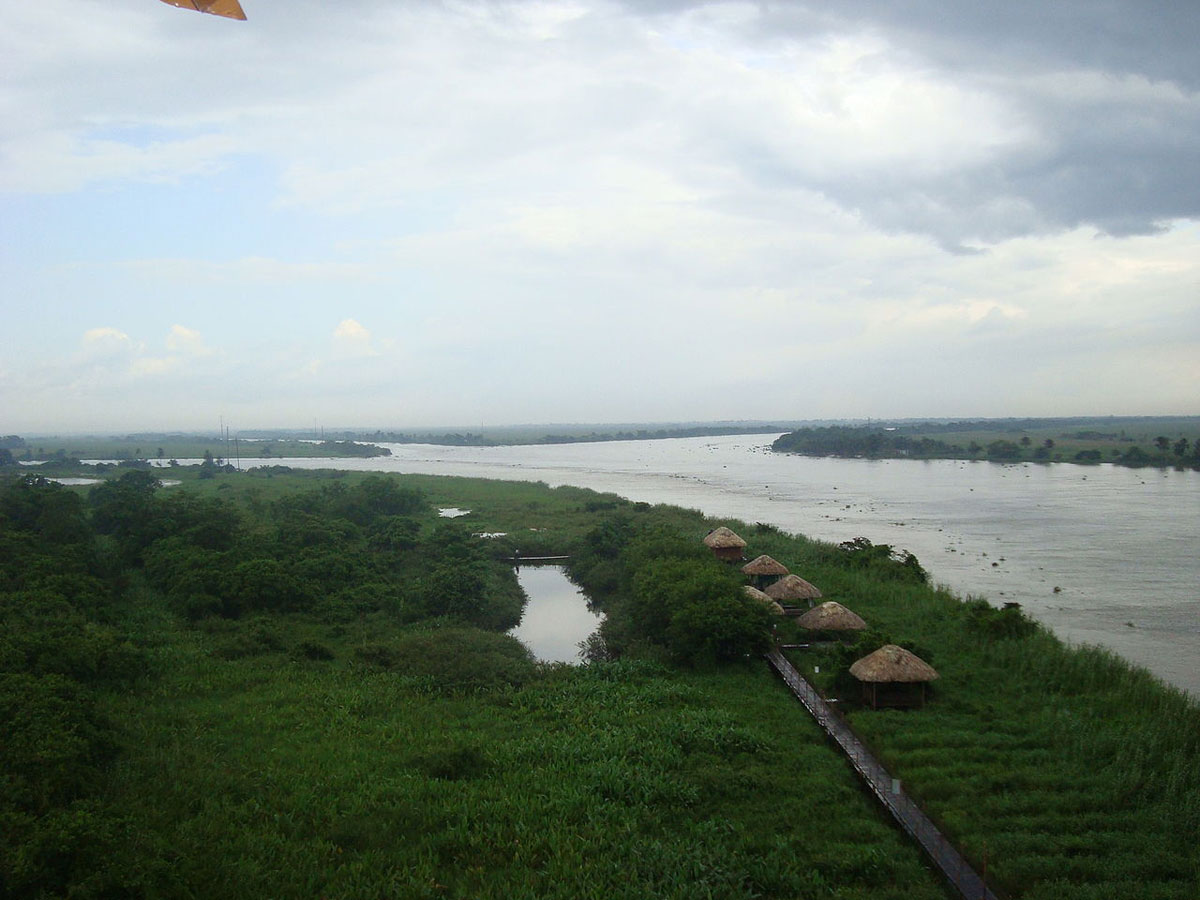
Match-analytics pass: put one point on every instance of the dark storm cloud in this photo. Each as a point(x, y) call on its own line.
point(1108, 91)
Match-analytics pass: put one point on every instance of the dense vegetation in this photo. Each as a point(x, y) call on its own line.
point(295, 684)
point(163, 447)
point(1132, 442)
point(501, 437)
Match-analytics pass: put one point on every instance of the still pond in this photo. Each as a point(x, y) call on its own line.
point(556, 616)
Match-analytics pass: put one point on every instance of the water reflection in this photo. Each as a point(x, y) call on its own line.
point(556, 617)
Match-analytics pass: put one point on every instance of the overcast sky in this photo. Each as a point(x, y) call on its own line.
point(379, 213)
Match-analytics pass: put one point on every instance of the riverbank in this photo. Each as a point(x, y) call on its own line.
point(1135, 442)
point(1118, 543)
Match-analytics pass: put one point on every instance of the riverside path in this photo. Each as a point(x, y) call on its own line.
point(939, 850)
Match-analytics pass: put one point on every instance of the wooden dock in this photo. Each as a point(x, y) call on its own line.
point(886, 790)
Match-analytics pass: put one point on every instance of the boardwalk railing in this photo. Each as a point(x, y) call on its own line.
point(887, 790)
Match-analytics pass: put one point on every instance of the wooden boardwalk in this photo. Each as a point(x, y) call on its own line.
point(939, 850)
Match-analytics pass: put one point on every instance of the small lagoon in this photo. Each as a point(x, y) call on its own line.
point(556, 616)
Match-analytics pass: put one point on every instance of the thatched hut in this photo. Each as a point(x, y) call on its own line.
point(889, 674)
point(790, 590)
point(725, 544)
point(755, 594)
point(831, 616)
point(764, 570)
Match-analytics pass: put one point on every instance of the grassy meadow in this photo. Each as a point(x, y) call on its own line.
point(380, 743)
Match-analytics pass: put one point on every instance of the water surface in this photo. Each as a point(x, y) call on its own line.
point(556, 618)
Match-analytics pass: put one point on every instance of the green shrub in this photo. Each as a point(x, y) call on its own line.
point(256, 639)
point(454, 659)
point(1006, 622)
point(53, 741)
point(454, 763)
point(313, 650)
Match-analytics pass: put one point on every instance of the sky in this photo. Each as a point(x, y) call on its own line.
point(375, 213)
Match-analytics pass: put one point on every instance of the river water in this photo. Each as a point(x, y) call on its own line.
point(1123, 545)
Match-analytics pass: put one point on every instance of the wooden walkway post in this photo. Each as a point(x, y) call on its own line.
point(888, 792)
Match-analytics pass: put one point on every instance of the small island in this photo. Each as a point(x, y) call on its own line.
point(1172, 441)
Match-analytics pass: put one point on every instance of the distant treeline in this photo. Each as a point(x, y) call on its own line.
point(902, 442)
point(141, 448)
point(471, 439)
point(1097, 427)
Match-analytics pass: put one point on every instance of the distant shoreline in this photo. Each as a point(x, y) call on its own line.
point(1136, 443)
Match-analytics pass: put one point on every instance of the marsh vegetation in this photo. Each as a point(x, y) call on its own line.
point(296, 684)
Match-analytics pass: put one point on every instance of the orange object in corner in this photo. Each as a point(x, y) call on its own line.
point(230, 9)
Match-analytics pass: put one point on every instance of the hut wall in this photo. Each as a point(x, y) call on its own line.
point(893, 694)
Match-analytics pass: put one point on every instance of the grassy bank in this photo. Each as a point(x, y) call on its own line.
point(366, 739)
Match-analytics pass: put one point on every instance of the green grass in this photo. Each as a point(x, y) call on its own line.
point(288, 756)
point(1077, 773)
point(299, 779)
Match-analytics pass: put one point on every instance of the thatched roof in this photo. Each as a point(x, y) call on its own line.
point(764, 565)
point(892, 664)
point(793, 587)
point(722, 538)
point(755, 594)
point(831, 616)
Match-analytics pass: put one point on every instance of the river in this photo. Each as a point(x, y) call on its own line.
point(1121, 544)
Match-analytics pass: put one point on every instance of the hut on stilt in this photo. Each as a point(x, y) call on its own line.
point(724, 544)
point(790, 591)
point(890, 677)
point(831, 616)
point(755, 594)
point(764, 570)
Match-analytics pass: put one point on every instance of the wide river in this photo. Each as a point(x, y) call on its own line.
point(1123, 545)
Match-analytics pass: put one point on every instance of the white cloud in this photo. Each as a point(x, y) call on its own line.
point(351, 339)
point(187, 342)
point(107, 343)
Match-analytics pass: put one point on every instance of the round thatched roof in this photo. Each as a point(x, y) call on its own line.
point(793, 587)
point(755, 594)
point(764, 565)
point(892, 664)
point(722, 538)
point(831, 616)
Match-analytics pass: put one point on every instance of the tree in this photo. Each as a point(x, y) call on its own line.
point(125, 508)
point(262, 584)
point(1025, 442)
point(695, 609)
point(1181, 447)
point(1162, 442)
point(1003, 450)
